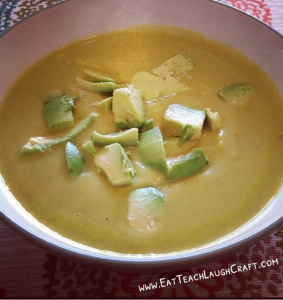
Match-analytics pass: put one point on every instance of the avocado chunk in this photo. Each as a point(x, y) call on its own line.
point(89, 147)
point(75, 160)
point(129, 137)
point(180, 120)
point(186, 165)
point(105, 103)
point(149, 124)
point(151, 149)
point(128, 108)
point(42, 144)
point(235, 92)
point(175, 66)
point(97, 77)
point(115, 163)
point(100, 87)
point(145, 206)
point(58, 110)
point(213, 119)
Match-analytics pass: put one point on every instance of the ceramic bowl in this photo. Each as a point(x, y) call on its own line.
point(58, 25)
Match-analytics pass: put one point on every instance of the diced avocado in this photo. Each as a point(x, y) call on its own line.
point(115, 163)
point(235, 92)
point(42, 144)
point(180, 120)
point(145, 206)
point(97, 77)
point(128, 108)
point(89, 147)
point(149, 124)
point(58, 110)
point(105, 103)
point(129, 137)
point(75, 160)
point(151, 149)
point(100, 87)
point(172, 146)
point(186, 165)
point(175, 66)
point(213, 119)
point(187, 132)
point(149, 85)
point(152, 87)
point(171, 86)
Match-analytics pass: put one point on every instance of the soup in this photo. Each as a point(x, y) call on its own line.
point(242, 176)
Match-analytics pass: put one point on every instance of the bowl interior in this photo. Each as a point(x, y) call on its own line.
point(48, 30)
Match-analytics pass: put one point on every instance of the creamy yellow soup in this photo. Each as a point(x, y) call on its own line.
point(245, 169)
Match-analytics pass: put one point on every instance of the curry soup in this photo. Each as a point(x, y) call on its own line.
point(242, 176)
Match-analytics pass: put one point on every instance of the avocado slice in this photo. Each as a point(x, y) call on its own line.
point(151, 149)
point(97, 77)
point(100, 87)
point(213, 119)
point(129, 137)
point(175, 66)
point(105, 103)
point(128, 108)
point(42, 144)
point(58, 110)
point(75, 160)
point(115, 163)
point(183, 121)
point(149, 124)
point(89, 147)
point(145, 206)
point(233, 93)
point(186, 165)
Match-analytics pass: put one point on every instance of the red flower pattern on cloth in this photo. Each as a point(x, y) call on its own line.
point(257, 8)
point(66, 279)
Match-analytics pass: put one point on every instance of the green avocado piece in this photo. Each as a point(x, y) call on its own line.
point(129, 137)
point(97, 77)
point(183, 121)
point(100, 87)
point(235, 92)
point(58, 110)
point(89, 147)
point(151, 149)
point(145, 205)
point(149, 124)
point(213, 119)
point(75, 160)
point(128, 108)
point(115, 163)
point(42, 144)
point(105, 103)
point(186, 165)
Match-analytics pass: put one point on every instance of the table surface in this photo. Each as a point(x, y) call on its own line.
point(27, 271)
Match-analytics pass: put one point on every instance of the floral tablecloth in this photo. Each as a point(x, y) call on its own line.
point(27, 271)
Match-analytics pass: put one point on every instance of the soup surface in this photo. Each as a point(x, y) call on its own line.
point(242, 177)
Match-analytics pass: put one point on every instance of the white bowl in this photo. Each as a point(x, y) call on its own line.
point(58, 25)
